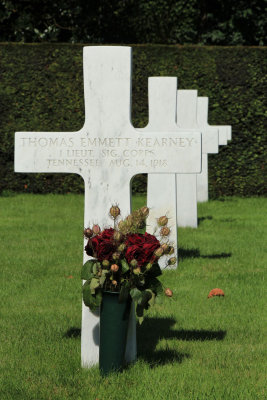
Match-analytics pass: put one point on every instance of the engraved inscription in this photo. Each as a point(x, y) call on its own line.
point(83, 152)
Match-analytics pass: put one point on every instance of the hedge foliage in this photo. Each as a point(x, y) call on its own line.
point(42, 90)
point(217, 22)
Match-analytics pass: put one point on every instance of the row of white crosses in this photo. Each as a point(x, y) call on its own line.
point(108, 151)
point(179, 194)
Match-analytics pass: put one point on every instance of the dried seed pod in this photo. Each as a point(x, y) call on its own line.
point(145, 211)
point(171, 250)
point(168, 292)
point(158, 253)
point(114, 211)
point(165, 247)
point(140, 223)
point(165, 231)
point(162, 221)
point(172, 261)
point(117, 236)
point(88, 232)
point(121, 225)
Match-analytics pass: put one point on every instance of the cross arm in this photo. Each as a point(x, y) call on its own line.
point(47, 152)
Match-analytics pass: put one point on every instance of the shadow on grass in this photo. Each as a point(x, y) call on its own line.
point(154, 329)
point(202, 219)
point(195, 253)
point(72, 333)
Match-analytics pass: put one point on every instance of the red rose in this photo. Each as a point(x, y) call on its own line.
point(141, 248)
point(101, 246)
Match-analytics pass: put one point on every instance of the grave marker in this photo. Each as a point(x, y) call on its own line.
point(106, 152)
point(224, 137)
point(161, 189)
point(186, 185)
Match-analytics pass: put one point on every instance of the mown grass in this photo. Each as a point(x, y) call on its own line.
point(190, 347)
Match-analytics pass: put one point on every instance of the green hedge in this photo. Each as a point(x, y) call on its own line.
point(217, 22)
point(42, 89)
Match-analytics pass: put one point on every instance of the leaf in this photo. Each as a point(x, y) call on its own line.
point(151, 301)
point(124, 266)
point(103, 277)
point(124, 294)
point(146, 296)
point(140, 313)
point(154, 271)
point(94, 284)
point(87, 270)
point(156, 286)
point(91, 300)
point(96, 267)
point(135, 294)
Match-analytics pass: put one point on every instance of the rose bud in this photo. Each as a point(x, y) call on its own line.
point(114, 268)
point(145, 211)
point(171, 250)
point(162, 221)
point(134, 263)
point(114, 283)
point(114, 211)
point(165, 231)
point(121, 247)
point(137, 271)
point(168, 292)
point(96, 229)
point(172, 261)
point(117, 236)
point(116, 255)
point(105, 263)
point(88, 233)
point(158, 253)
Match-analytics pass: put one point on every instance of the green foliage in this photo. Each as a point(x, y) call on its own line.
point(91, 297)
point(87, 270)
point(42, 90)
point(134, 21)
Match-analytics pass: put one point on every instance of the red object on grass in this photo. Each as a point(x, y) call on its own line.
point(215, 292)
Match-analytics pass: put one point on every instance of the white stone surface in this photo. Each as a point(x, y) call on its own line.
point(186, 186)
point(161, 189)
point(106, 152)
point(225, 134)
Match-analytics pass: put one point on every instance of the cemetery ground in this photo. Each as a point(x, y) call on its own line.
point(189, 347)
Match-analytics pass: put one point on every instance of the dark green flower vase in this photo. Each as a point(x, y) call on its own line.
point(114, 318)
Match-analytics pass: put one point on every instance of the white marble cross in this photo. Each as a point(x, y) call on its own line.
point(186, 185)
point(161, 189)
point(107, 152)
point(224, 137)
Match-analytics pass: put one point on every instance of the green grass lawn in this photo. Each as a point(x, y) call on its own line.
point(190, 347)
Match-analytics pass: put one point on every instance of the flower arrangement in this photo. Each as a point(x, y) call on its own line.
point(126, 261)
